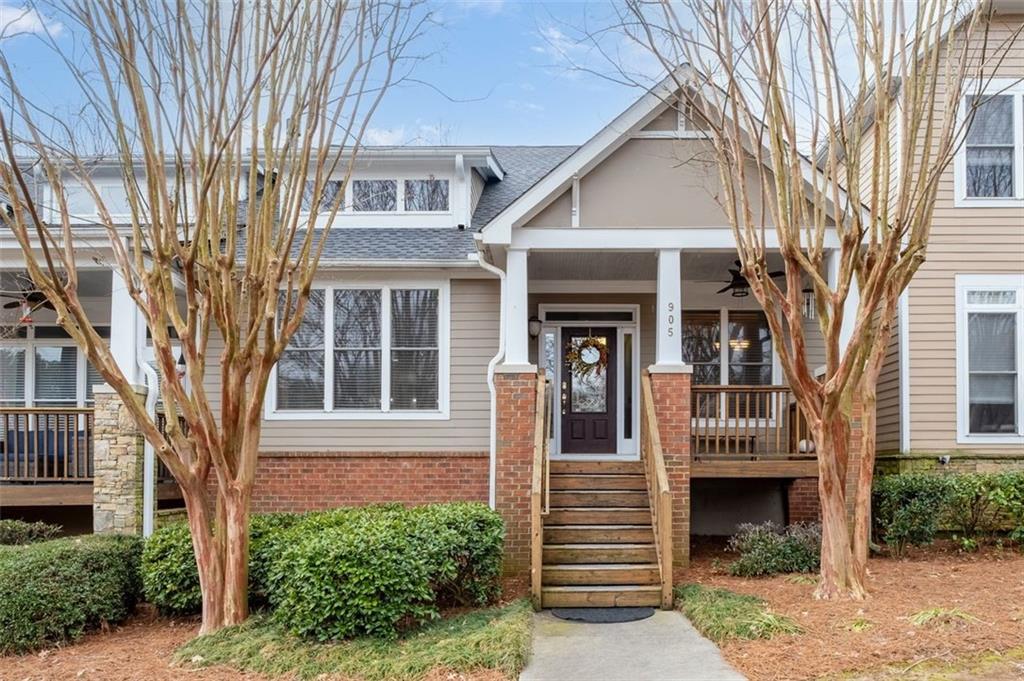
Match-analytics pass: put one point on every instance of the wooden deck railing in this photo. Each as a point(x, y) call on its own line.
point(658, 491)
point(46, 444)
point(746, 422)
point(540, 489)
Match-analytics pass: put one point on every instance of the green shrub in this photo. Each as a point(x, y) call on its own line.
point(14, 532)
point(908, 509)
point(367, 575)
point(54, 591)
point(973, 507)
point(766, 549)
point(170, 577)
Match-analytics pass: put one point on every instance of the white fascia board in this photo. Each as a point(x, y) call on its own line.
point(637, 238)
point(581, 161)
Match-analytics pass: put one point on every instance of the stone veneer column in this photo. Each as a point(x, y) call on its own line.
point(671, 391)
point(117, 465)
point(516, 395)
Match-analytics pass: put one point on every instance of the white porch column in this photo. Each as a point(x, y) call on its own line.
point(126, 329)
point(668, 346)
point(517, 332)
point(852, 301)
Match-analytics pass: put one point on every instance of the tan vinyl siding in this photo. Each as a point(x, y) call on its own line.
point(887, 426)
point(474, 340)
point(476, 188)
point(964, 240)
point(556, 214)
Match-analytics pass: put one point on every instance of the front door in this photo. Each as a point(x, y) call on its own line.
point(588, 394)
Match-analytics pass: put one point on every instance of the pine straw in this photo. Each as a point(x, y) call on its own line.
point(984, 591)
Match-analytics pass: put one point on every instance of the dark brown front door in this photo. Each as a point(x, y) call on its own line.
point(588, 396)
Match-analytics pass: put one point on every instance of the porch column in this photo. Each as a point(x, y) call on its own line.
point(668, 344)
point(126, 329)
point(117, 488)
point(852, 300)
point(517, 331)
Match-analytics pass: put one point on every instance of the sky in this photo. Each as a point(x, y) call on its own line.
point(497, 73)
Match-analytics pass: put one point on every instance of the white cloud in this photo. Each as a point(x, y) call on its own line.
point(387, 137)
point(520, 105)
point(489, 6)
point(15, 21)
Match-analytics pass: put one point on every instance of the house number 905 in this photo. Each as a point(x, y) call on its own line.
point(671, 320)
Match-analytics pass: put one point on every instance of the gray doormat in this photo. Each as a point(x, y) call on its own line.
point(603, 615)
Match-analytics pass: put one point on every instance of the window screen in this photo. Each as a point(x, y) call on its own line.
point(56, 376)
point(374, 195)
point(300, 371)
point(414, 349)
point(989, 147)
point(357, 350)
point(992, 368)
point(426, 195)
point(12, 377)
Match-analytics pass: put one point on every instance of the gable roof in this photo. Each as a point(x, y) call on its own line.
point(524, 166)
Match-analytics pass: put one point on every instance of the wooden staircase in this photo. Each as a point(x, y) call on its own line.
point(599, 546)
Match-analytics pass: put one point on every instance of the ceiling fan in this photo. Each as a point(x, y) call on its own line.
point(739, 285)
point(34, 299)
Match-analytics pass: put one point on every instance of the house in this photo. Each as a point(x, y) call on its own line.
point(555, 331)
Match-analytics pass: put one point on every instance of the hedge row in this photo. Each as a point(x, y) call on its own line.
point(347, 572)
point(911, 509)
point(53, 591)
point(17, 532)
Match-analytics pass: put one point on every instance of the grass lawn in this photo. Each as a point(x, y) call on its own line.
point(495, 640)
point(720, 614)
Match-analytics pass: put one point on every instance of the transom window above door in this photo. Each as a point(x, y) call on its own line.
point(361, 352)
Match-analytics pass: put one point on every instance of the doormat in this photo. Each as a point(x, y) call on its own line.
point(602, 615)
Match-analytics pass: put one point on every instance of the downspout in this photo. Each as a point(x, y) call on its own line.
point(148, 453)
point(481, 260)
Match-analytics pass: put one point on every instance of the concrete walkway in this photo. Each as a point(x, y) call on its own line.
point(664, 647)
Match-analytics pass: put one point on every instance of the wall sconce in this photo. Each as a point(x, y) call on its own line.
point(534, 327)
point(810, 303)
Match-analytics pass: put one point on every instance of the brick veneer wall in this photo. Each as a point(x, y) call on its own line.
point(802, 504)
point(306, 481)
point(516, 398)
point(671, 392)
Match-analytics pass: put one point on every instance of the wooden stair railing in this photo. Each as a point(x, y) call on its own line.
point(657, 488)
point(540, 490)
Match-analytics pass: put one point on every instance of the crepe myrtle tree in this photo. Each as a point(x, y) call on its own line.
point(222, 117)
point(800, 103)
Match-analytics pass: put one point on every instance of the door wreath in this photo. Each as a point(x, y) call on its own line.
point(586, 355)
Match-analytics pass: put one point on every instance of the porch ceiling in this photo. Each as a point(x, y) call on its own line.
point(709, 266)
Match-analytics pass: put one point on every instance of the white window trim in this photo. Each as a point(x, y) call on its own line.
point(385, 413)
point(347, 209)
point(986, 282)
point(996, 86)
point(29, 345)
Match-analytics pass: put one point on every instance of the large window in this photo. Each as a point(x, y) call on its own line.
point(383, 195)
point(739, 340)
point(990, 164)
point(41, 367)
point(365, 351)
point(990, 317)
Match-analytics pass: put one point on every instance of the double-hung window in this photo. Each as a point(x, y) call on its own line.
point(990, 163)
point(990, 346)
point(366, 352)
point(42, 367)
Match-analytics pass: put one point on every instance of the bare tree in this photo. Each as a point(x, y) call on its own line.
point(235, 127)
point(800, 101)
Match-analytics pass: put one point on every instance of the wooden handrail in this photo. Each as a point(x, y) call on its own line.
point(46, 444)
point(658, 491)
point(539, 498)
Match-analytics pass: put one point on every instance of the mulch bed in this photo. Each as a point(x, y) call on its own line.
point(988, 586)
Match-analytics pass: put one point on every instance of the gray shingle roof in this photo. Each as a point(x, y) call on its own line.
point(398, 243)
point(524, 167)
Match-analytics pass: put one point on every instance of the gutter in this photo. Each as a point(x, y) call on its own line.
point(481, 260)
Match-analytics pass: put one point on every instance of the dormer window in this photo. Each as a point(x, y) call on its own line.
point(378, 196)
point(426, 195)
point(328, 195)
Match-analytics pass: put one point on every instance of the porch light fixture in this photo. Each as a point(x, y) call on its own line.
point(534, 326)
point(810, 304)
point(180, 367)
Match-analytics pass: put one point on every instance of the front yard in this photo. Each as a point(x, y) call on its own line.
point(933, 608)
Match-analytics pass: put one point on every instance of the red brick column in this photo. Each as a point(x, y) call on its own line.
point(853, 465)
point(516, 395)
point(672, 406)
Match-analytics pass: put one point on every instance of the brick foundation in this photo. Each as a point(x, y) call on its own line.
point(671, 392)
point(516, 398)
point(306, 481)
point(802, 504)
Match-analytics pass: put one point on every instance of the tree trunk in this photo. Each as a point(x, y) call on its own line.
point(865, 475)
point(837, 578)
point(236, 558)
point(208, 557)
